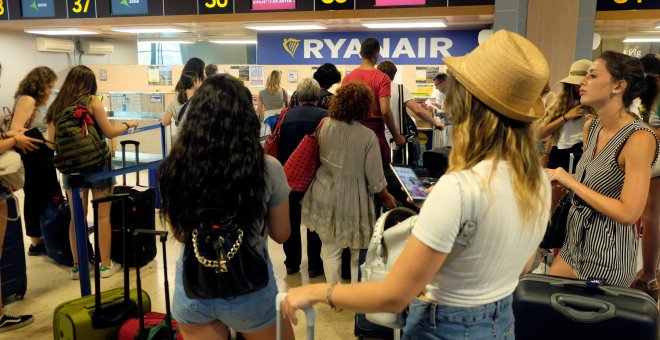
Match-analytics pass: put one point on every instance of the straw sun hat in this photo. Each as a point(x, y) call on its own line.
point(578, 72)
point(507, 72)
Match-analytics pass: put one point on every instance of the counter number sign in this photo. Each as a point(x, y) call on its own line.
point(215, 6)
point(3, 10)
point(81, 8)
point(329, 5)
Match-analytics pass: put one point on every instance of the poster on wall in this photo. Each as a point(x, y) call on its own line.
point(273, 5)
point(425, 74)
point(293, 76)
point(256, 76)
point(159, 75)
point(233, 71)
point(244, 73)
point(343, 48)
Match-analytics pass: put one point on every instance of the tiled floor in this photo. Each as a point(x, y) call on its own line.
point(49, 285)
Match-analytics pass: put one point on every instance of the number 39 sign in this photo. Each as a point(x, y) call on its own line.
point(81, 9)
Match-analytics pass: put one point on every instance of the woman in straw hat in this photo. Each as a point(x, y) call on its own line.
point(611, 182)
point(565, 119)
point(494, 138)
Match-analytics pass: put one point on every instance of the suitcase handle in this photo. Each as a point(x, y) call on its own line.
point(309, 314)
point(582, 308)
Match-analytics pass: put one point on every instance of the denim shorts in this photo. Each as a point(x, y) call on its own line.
point(428, 320)
point(95, 184)
point(248, 313)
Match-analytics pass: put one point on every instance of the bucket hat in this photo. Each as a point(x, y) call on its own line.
point(507, 73)
point(578, 71)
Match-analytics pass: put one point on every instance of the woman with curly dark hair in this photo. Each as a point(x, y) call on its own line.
point(40, 178)
point(217, 163)
point(339, 203)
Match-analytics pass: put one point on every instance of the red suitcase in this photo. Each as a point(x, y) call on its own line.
point(153, 325)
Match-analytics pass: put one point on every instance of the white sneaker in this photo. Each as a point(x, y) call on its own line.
point(75, 273)
point(109, 271)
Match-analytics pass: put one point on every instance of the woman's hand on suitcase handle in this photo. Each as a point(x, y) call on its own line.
point(301, 298)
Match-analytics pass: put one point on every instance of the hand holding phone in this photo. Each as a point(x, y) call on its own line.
point(410, 182)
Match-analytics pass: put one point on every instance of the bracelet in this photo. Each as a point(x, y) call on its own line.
point(564, 116)
point(328, 297)
point(127, 126)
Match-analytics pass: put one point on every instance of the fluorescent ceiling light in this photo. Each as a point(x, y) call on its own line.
point(657, 25)
point(641, 39)
point(59, 31)
point(234, 42)
point(164, 41)
point(299, 26)
point(146, 29)
point(436, 23)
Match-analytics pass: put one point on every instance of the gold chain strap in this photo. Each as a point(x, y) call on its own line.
point(221, 265)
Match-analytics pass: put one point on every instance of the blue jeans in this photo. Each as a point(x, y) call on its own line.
point(434, 322)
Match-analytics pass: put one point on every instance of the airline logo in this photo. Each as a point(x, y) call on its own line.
point(291, 45)
point(36, 5)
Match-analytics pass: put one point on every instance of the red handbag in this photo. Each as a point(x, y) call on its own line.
point(301, 166)
point(272, 141)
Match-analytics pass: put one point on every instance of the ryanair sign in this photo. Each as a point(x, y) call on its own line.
point(343, 48)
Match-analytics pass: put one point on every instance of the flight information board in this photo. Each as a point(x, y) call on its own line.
point(215, 6)
point(273, 5)
point(81, 9)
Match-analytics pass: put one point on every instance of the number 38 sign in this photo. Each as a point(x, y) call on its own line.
point(215, 6)
point(81, 9)
point(329, 5)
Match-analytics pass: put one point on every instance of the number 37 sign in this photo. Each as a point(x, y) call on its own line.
point(81, 9)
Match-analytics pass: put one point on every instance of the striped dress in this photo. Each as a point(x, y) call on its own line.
point(597, 246)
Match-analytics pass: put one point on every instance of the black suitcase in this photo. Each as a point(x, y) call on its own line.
point(139, 212)
point(12, 264)
point(436, 161)
point(549, 307)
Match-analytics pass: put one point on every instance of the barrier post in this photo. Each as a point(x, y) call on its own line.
point(80, 227)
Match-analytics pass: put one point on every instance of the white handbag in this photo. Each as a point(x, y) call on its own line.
point(12, 172)
point(392, 232)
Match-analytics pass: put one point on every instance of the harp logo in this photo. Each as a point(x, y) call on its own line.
point(291, 45)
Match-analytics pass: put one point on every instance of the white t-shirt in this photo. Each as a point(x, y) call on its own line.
point(570, 133)
point(439, 97)
point(488, 269)
point(394, 105)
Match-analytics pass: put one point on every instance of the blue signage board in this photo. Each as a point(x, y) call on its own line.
point(129, 7)
point(343, 48)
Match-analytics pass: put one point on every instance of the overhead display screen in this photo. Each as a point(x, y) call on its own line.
point(331, 5)
point(215, 6)
point(37, 9)
point(81, 9)
point(273, 5)
point(129, 7)
point(387, 3)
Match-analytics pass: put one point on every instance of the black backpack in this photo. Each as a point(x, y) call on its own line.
point(78, 146)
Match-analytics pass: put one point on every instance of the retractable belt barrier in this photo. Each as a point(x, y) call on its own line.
point(80, 220)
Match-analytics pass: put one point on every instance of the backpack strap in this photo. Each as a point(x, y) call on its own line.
point(179, 117)
point(471, 197)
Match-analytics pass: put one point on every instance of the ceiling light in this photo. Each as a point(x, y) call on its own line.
point(59, 31)
point(641, 39)
point(145, 30)
point(300, 26)
point(436, 23)
point(657, 25)
point(234, 42)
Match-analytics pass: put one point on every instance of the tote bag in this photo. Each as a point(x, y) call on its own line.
point(301, 166)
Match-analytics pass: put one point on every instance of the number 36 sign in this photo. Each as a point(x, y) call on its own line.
point(330, 5)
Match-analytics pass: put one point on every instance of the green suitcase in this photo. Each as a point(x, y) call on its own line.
point(98, 316)
point(72, 320)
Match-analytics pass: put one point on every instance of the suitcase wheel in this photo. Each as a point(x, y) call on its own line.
point(19, 297)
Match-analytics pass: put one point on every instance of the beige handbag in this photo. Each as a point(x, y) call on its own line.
point(12, 172)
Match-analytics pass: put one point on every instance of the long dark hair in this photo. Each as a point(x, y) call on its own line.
point(35, 84)
point(80, 81)
point(196, 66)
point(640, 85)
point(186, 82)
point(217, 161)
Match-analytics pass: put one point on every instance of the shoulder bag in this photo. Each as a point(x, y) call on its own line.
point(272, 141)
point(392, 232)
point(218, 260)
point(300, 168)
point(12, 172)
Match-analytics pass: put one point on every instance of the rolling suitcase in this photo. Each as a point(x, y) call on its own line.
point(153, 325)
point(139, 212)
point(98, 316)
point(436, 161)
point(548, 307)
point(12, 264)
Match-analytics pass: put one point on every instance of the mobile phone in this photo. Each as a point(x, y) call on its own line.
point(410, 182)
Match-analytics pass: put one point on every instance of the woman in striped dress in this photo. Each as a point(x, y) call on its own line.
point(612, 178)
